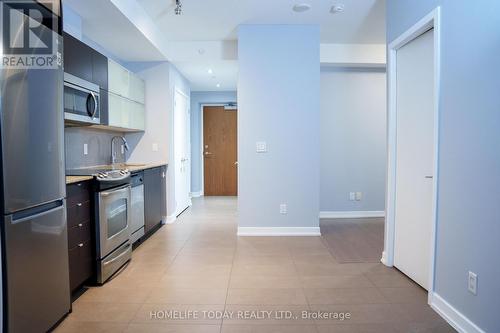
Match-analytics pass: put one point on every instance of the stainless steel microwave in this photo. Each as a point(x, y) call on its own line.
point(82, 102)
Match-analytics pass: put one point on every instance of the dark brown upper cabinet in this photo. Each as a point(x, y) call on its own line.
point(84, 62)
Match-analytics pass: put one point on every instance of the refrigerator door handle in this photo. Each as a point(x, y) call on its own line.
point(14, 220)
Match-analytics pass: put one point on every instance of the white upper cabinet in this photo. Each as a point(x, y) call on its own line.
point(118, 79)
point(136, 89)
point(126, 98)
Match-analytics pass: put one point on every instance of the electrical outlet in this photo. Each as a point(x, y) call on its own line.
point(359, 196)
point(261, 147)
point(85, 149)
point(283, 209)
point(352, 196)
point(472, 283)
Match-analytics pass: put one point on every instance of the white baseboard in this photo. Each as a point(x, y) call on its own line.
point(350, 214)
point(279, 231)
point(169, 219)
point(456, 319)
point(384, 259)
point(196, 194)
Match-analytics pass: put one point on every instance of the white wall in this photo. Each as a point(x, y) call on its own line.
point(353, 138)
point(161, 79)
point(278, 101)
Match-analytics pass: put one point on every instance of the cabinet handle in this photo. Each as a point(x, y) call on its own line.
point(80, 225)
point(80, 245)
point(79, 204)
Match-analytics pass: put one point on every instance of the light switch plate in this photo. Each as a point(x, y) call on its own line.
point(85, 149)
point(472, 283)
point(352, 196)
point(283, 209)
point(261, 147)
point(359, 196)
point(123, 149)
point(155, 147)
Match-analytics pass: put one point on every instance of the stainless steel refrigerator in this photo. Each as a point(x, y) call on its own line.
point(34, 246)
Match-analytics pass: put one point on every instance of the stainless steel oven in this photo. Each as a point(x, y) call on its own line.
point(114, 216)
point(82, 101)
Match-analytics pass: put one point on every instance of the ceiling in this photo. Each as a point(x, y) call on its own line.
point(112, 30)
point(362, 21)
point(204, 36)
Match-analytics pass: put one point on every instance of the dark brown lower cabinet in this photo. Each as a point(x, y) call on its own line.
point(80, 231)
point(154, 197)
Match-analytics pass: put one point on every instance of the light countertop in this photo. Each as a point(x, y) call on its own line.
point(132, 167)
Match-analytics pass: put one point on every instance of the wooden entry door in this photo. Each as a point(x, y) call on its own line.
point(220, 151)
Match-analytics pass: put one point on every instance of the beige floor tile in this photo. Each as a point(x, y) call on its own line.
point(71, 326)
point(429, 327)
point(196, 281)
point(116, 294)
point(359, 328)
point(414, 294)
point(249, 259)
point(170, 295)
point(308, 258)
point(103, 312)
point(344, 296)
point(198, 263)
point(391, 281)
point(166, 328)
point(198, 270)
point(266, 296)
point(268, 329)
point(204, 259)
point(264, 282)
point(284, 270)
point(327, 269)
point(336, 281)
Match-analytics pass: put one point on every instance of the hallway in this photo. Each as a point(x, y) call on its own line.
point(199, 264)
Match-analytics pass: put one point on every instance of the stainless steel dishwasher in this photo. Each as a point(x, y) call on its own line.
point(137, 198)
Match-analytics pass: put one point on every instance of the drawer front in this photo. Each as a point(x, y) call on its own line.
point(80, 265)
point(79, 192)
point(78, 213)
point(79, 234)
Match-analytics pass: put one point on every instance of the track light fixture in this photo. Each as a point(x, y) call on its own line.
point(178, 7)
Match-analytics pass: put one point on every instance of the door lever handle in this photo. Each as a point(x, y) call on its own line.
point(429, 177)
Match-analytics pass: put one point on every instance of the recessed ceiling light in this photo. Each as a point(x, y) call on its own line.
point(301, 7)
point(338, 8)
point(210, 71)
point(218, 85)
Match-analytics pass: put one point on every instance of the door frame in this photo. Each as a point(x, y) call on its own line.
point(430, 21)
point(188, 117)
point(202, 157)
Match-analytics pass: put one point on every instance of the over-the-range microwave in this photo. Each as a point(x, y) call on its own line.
point(81, 100)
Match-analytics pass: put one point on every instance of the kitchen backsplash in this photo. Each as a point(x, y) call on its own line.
point(98, 146)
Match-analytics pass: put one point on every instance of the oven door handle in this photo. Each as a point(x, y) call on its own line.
point(115, 191)
point(117, 257)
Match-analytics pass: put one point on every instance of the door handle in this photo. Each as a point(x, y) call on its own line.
point(208, 153)
point(429, 177)
point(236, 163)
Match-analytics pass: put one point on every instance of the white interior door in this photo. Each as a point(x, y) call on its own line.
point(414, 158)
point(181, 152)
